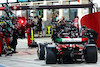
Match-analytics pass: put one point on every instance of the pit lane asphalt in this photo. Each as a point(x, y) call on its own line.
point(28, 57)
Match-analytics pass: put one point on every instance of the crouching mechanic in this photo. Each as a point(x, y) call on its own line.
point(90, 34)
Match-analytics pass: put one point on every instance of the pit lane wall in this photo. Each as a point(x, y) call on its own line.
point(92, 21)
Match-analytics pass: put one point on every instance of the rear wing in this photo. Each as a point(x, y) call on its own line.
point(71, 40)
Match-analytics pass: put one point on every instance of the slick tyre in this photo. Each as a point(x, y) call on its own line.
point(41, 51)
point(51, 55)
point(91, 54)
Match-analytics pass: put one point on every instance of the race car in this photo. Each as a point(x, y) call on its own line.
point(70, 45)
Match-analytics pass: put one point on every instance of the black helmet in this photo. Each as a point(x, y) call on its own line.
point(84, 27)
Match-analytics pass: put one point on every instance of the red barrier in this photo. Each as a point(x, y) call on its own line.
point(28, 36)
point(92, 21)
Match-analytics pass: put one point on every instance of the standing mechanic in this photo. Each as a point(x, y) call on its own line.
point(1, 37)
point(14, 39)
point(76, 19)
point(39, 26)
point(62, 22)
point(53, 18)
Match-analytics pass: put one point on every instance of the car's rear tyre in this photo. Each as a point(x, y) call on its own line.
point(51, 54)
point(91, 53)
point(41, 51)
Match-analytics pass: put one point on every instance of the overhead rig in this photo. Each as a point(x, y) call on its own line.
point(49, 7)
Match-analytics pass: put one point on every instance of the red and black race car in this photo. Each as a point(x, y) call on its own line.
point(71, 44)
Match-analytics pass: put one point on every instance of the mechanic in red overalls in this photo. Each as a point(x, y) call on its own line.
point(28, 26)
point(1, 45)
point(6, 34)
point(3, 37)
point(76, 22)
